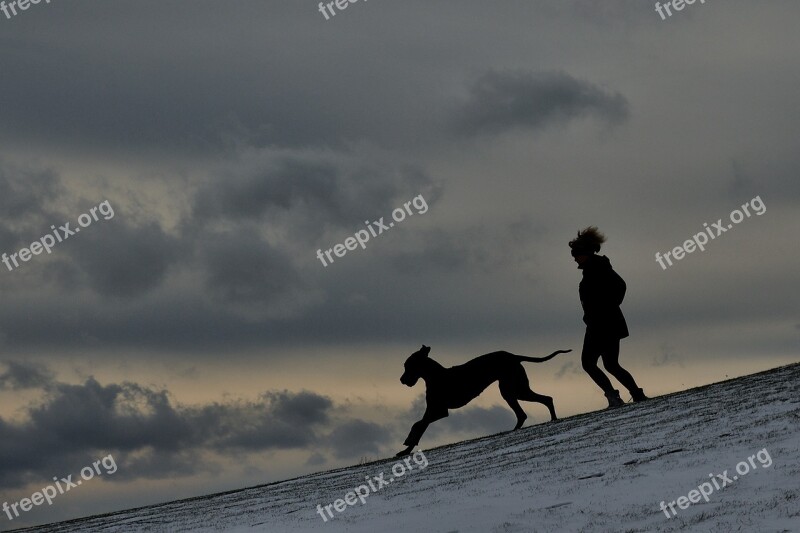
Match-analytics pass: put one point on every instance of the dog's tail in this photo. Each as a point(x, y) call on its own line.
point(542, 359)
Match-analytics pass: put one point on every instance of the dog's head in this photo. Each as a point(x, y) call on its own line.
point(414, 365)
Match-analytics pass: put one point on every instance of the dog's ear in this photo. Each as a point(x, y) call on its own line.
point(425, 349)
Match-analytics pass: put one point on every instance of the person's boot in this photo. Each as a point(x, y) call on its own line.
point(638, 395)
point(613, 399)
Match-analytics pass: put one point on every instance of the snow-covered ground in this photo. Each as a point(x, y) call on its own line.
point(599, 471)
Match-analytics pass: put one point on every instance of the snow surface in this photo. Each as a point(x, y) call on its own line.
point(599, 471)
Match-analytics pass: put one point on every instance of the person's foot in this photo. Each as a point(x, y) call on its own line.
point(638, 395)
point(613, 399)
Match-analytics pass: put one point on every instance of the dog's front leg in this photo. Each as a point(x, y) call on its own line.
point(419, 428)
point(405, 452)
point(416, 432)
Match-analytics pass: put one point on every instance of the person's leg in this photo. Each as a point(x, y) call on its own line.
point(610, 353)
point(589, 357)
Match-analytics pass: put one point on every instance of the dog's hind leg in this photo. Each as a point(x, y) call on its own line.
point(530, 396)
point(510, 397)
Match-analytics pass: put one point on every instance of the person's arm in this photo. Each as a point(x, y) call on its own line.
point(601, 295)
point(617, 288)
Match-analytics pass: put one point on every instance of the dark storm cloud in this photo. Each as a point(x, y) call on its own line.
point(147, 78)
point(281, 420)
point(299, 408)
point(253, 225)
point(503, 101)
point(76, 420)
point(241, 266)
point(281, 184)
point(472, 248)
point(121, 260)
point(159, 85)
point(307, 190)
point(25, 195)
point(111, 256)
point(23, 375)
point(152, 437)
point(357, 438)
point(151, 75)
point(23, 191)
point(241, 259)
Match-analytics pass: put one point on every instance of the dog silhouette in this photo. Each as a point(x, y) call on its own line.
point(454, 387)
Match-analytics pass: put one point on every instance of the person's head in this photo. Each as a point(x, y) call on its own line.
point(586, 244)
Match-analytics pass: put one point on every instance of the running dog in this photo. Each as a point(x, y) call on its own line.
point(454, 387)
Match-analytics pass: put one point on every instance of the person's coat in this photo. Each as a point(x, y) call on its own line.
point(602, 291)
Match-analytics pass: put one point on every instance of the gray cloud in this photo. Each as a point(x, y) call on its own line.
point(25, 196)
point(170, 103)
point(357, 438)
point(112, 257)
point(254, 227)
point(306, 192)
point(504, 101)
point(23, 375)
point(241, 266)
point(120, 260)
point(153, 437)
point(281, 420)
point(23, 191)
point(295, 167)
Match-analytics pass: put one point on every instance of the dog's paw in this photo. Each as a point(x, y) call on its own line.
point(405, 452)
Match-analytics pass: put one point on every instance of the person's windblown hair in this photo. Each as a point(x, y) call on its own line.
point(587, 242)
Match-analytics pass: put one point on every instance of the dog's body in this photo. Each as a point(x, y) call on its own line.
point(451, 388)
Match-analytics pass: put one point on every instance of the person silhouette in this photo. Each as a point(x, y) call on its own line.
point(601, 292)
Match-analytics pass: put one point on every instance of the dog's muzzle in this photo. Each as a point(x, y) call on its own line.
point(408, 382)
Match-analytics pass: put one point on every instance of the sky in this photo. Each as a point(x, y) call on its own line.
point(190, 329)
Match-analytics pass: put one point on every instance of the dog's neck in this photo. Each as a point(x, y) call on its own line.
point(431, 369)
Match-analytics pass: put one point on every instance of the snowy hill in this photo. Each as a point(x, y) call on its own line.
point(599, 471)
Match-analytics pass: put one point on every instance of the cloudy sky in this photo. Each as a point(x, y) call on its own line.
point(196, 336)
